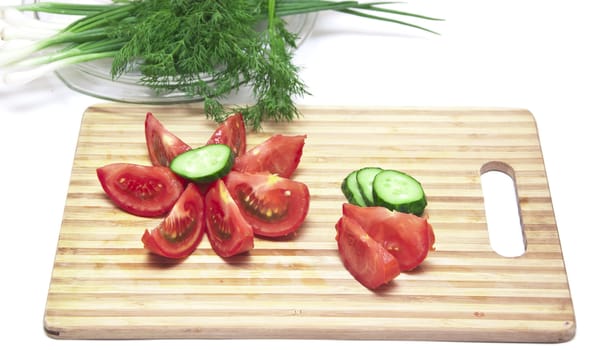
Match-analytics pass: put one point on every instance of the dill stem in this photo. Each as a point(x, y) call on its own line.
point(86, 50)
point(112, 14)
point(27, 75)
point(90, 35)
point(72, 9)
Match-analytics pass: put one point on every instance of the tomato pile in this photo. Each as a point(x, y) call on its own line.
point(256, 198)
point(376, 244)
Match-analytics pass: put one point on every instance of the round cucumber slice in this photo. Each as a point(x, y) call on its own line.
point(350, 189)
point(364, 178)
point(398, 191)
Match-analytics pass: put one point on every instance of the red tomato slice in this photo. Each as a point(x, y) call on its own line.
point(179, 234)
point(367, 260)
point(163, 146)
point(406, 236)
point(232, 133)
point(228, 232)
point(278, 154)
point(274, 206)
point(141, 190)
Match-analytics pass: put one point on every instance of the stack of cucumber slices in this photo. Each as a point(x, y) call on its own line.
point(393, 189)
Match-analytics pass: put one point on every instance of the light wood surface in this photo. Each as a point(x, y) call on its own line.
point(104, 285)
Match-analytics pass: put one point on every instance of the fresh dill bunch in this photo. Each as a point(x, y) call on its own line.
point(210, 48)
point(200, 47)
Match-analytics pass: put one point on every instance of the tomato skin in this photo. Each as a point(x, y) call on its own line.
point(231, 132)
point(431, 234)
point(279, 155)
point(148, 191)
point(407, 237)
point(228, 232)
point(162, 145)
point(274, 206)
point(366, 260)
point(179, 234)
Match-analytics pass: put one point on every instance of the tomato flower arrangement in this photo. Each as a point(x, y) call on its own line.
point(219, 189)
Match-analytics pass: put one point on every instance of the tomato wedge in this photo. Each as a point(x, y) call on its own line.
point(228, 232)
point(140, 190)
point(179, 234)
point(162, 145)
point(274, 206)
point(231, 132)
point(407, 237)
point(279, 155)
point(367, 260)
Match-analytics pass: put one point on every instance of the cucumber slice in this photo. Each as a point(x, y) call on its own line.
point(398, 191)
point(364, 179)
point(350, 189)
point(204, 164)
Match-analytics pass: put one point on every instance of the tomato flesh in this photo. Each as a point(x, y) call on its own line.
point(279, 154)
point(228, 232)
point(141, 190)
point(274, 206)
point(179, 234)
point(162, 145)
point(231, 132)
point(407, 237)
point(366, 260)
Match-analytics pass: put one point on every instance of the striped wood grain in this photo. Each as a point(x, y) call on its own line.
point(104, 284)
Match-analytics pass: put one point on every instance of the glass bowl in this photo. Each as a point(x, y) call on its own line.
point(93, 78)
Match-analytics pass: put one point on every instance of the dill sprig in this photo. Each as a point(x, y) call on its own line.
point(205, 49)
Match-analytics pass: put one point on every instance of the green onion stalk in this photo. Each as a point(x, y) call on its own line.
point(204, 49)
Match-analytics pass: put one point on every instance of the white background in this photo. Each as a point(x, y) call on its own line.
point(551, 57)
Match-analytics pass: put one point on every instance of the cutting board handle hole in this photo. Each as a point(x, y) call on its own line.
point(502, 209)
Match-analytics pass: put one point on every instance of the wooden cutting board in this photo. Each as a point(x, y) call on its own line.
point(105, 285)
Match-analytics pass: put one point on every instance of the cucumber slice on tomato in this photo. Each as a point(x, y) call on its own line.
point(350, 189)
point(398, 191)
point(204, 164)
point(364, 179)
